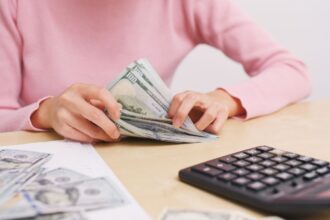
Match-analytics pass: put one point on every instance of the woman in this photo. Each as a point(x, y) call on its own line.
point(57, 55)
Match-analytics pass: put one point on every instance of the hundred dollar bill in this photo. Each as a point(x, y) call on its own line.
point(164, 131)
point(86, 194)
point(186, 214)
point(60, 216)
point(16, 167)
point(57, 176)
point(144, 96)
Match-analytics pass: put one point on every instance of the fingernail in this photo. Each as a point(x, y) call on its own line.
point(115, 134)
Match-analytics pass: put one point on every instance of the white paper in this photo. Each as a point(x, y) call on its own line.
point(84, 159)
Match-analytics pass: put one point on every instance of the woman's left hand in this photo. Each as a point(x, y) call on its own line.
point(209, 111)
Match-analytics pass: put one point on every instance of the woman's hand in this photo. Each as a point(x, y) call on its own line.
point(208, 111)
point(78, 114)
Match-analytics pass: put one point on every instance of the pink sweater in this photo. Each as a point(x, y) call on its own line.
point(47, 45)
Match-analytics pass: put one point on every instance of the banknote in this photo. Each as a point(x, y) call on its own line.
point(16, 168)
point(146, 99)
point(85, 194)
point(187, 214)
point(58, 176)
point(61, 216)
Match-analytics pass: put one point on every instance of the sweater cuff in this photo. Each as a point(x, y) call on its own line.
point(27, 123)
point(249, 97)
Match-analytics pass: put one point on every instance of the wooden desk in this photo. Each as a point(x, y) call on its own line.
point(150, 169)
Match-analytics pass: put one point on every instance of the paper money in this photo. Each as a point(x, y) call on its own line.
point(16, 168)
point(186, 214)
point(57, 176)
point(60, 216)
point(30, 191)
point(86, 194)
point(146, 99)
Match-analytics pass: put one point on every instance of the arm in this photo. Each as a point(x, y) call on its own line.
point(13, 115)
point(72, 114)
point(277, 77)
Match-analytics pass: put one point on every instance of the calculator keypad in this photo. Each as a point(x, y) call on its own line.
point(263, 168)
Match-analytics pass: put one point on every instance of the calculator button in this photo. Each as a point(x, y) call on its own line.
point(241, 181)
point(294, 184)
point(323, 170)
point(265, 148)
point(284, 176)
point(297, 171)
point(208, 171)
point(227, 159)
point(270, 181)
point(255, 176)
point(252, 152)
point(281, 167)
point(320, 163)
point(266, 155)
point(241, 163)
point(221, 166)
point(255, 167)
point(293, 163)
point(241, 155)
point(279, 159)
point(254, 159)
point(241, 172)
point(308, 167)
point(269, 171)
point(304, 158)
point(226, 176)
point(290, 155)
point(256, 186)
point(310, 176)
point(267, 163)
point(275, 191)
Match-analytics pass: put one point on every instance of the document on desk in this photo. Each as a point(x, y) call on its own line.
point(61, 180)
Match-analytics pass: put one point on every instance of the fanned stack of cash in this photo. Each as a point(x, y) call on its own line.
point(28, 192)
point(146, 99)
point(210, 215)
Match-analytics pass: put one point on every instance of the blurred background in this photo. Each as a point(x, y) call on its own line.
point(303, 26)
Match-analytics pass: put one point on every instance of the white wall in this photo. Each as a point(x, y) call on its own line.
point(303, 26)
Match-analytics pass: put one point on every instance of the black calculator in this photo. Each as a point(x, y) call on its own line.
point(266, 178)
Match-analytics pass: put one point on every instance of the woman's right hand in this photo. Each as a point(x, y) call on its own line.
point(78, 114)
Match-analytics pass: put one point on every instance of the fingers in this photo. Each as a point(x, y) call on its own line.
point(87, 128)
point(176, 102)
point(184, 108)
point(90, 92)
point(96, 116)
point(97, 103)
point(212, 114)
point(219, 121)
point(208, 117)
point(73, 134)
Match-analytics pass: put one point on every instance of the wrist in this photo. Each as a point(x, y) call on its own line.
point(234, 104)
point(40, 118)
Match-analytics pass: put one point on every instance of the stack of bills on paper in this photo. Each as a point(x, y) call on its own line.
point(146, 99)
point(27, 191)
point(186, 214)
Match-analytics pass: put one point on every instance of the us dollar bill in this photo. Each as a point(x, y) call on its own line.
point(16, 168)
point(61, 216)
point(58, 176)
point(146, 99)
point(187, 214)
point(86, 194)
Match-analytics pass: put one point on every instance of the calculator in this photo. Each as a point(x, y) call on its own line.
point(266, 178)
